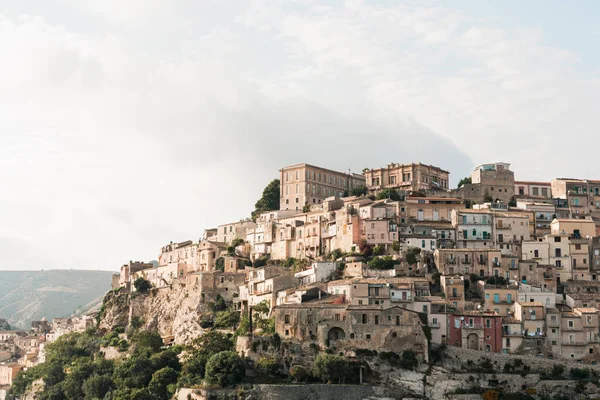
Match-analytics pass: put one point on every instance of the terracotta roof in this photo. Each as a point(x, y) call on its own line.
point(530, 304)
point(479, 313)
point(572, 220)
point(510, 320)
point(570, 314)
point(584, 296)
point(587, 310)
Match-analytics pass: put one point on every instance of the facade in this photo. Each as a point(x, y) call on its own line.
point(494, 180)
point(317, 272)
point(8, 372)
point(467, 261)
point(577, 228)
point(500, 298)
point(227, 233)
point(304, 184)
point(407, 178)
point(332, 323)
point(533, 189)
point(128, 271)
point(476, 330)
point(474, 228)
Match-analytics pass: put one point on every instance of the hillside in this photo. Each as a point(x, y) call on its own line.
point(31, 295)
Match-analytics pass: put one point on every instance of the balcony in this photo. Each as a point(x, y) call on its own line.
point(511, 333)
point(473, 327)
point(451, 261)
point(554, 324)
point(496, 264)
point(503, 226)
point(572, 329)
point(573, 343)
point(548, 277)
point(466, 262)
point(435, 326)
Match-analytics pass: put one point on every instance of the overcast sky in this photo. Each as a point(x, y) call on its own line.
point(125, 124)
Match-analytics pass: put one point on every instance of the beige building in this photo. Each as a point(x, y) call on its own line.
point(533, 189)
point(577, 228)
point(453, 287)
point(431, 209)
point(227, 233)
point(578, 334)
point(303, 184)
point(467, 261)
point(8, 372)
point(264, 283)
point(494, 180)
point(332, 323)
point(407, 177)
point(500, 298)
point(130, 269)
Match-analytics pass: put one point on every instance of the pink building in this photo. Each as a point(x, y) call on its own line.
point(476, 330)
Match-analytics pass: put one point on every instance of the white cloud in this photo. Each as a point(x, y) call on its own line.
point(162, 118)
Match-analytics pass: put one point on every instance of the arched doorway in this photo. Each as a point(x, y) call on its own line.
point(336, 334)
point(473, 341)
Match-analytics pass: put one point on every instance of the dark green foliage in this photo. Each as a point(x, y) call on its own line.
point(147, 341)
point(164, 359)
point(96, 386)
point(496, 280)
point(411, 255)
point(141, 285)
point(386, 262)
point(409, 359)
point(389, 194)
point(269, 200)
point(464, 181)
point(237, 242)
point(267, 367)
point(378, 250)
point(225, 369)
point(396, 246)
point(557, 371)
point(358, 191)
point(487, 198)
point(162, 384)
point(133, 373)
point(306, 208)
point(299, 373)
point(227, 319)
point(218, 305)
point(330, 368)
point(486, 366)
point(580, 373)
point(336, 254)
point(220, 264)
point(261, 261)
point(512, 202)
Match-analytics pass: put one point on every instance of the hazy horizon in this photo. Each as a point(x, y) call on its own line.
point(130, 124)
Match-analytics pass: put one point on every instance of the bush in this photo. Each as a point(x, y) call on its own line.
point(386, 262)
point(580, 373)
point(411, 255)
point(388, 194)
point(365, 248)
point(97, 386)
point(358, 191)
point(225, 369)
point(336, 254)
point(227, 319)
point(299, 373)
point(141, 285)
point(147, 341)
point(220, 264)
point(267, 367)
point(161, 385)
point(396, 246)
point(330, 368)
point(409, 359)
point(557, 371)
point(378, 250)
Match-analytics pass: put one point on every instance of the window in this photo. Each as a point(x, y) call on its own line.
point(557, 239)
point(337, 317)
point(570, 324)
point(368, 336)
point(286, 319)
point(397, 320)
point(377, 320)
point(365, 319)
point(457, 323)
point(310, 319)
point(488, 324)
point(434, 322)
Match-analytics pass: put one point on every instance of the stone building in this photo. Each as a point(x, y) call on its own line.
point(128, 271)
point(476, 330)
point(379, 291)
point(331, 322)
point(476, 261)
point(533, 189)
point(407, 178)
point(500, 298)
point(213, 283)
point(303, 184)
point(494, 180)
point(453, 287)
point(8, 372)
point(263, 284)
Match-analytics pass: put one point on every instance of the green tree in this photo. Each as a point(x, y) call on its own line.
point(396, 246)
point(227, 319)
point(267, 367)
point(133, 373)
point(306, 208)
point(167, 358)
point(225, 369)
point(378, 250)
point(141, 285)
point(219, 304)
point(148, 341)
point(487, 198)
point(161, 385)
point(386, 262)
point(96, 386)
point(359, 191)
point(391, 194)
point(464, 181)
point(409, 359)
point(411, 255)
point(299, 373)
point(220, 264)
point(512, 202)
point(269, 200)
point(330, 368)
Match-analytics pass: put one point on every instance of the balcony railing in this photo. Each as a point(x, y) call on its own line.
point(474, 326)
point(555, 324)
point(572, 329)
point(503, 226)
point(574, 343)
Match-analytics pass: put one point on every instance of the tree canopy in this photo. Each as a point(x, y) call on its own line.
point(464, 181)
point(269, 200)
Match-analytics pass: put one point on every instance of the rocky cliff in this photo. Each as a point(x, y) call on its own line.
point(173, 311)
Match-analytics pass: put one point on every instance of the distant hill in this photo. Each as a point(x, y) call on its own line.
point(31, 295)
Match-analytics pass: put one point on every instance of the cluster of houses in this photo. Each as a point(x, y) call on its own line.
point(502, 265)
point(20, 349)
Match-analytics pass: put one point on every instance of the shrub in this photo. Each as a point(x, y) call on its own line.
point(557, 371)
point(141, 285)
point(220, 264)
point(299, 373)
point(396, 246)
point(386, 262)
point(378, 250)
point(267, 367)
point(225, 369)
point(161, 384)
point(409, 359)
point(227, 319)
point(411, 255)
point(580, 373)
point(330, 368)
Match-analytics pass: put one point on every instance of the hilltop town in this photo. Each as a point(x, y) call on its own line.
point(391, 260)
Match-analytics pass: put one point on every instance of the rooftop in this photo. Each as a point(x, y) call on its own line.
point(530, 304)
point(377, 281)
point(532, 183)
point(587, 310)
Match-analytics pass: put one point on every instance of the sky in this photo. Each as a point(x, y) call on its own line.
point(127, 124)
